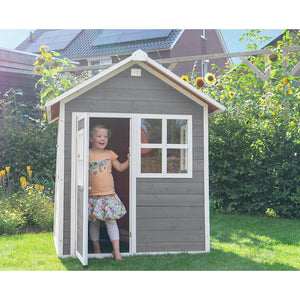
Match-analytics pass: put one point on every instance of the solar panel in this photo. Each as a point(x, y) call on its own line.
point(115, 36)
point(54, 39)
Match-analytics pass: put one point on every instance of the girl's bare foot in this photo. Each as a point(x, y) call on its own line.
point(117, 255)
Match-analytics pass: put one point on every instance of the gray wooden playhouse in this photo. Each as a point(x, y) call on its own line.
point(163, 120)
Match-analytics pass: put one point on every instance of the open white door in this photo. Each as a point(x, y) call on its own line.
point(81, 186)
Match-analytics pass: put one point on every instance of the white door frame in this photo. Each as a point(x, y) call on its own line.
point(82, 180)
point(132, 178)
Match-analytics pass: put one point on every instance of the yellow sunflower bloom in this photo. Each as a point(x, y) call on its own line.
point(42, 49)
point(261, 114)
point(293, 123)
point(280, 86)
point(289, 91)
point(7, 169)
point(185, 78)
point(284, 80)
point(210, 78)
point(231, 94)
point(48, 57)
point(199, 82)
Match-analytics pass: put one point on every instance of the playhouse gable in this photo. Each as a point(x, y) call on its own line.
point(140, 58)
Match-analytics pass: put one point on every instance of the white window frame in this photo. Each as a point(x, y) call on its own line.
point(204, 65)
point(107, 60)
point(164, 146)
point(203, 33)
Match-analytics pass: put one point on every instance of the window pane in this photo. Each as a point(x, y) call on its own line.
point(177, 161)
point(151, 131)
point(151, 161)
point(177, 131)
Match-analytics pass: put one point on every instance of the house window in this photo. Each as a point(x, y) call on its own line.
point(100, 62)
point(203, 33)
point(204, 65)
point(165, 146)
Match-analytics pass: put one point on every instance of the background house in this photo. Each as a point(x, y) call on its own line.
point(16, 69)
point(107, 46)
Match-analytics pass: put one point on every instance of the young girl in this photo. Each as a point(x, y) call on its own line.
point(104, 203)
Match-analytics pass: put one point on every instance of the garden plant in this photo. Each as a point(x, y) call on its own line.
point(255, 144)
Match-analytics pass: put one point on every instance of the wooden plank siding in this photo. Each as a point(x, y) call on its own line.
point(170, 211)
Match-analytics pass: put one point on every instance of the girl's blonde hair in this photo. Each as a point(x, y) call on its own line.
point(100, 126)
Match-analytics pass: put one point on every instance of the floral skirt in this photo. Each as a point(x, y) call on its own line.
point(104, 207)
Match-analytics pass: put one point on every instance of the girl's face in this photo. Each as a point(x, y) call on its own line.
point(99, 138)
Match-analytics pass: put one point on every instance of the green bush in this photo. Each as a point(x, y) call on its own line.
point(26, 139)
point(11, 219)
point(255, 143)
point(29, 210)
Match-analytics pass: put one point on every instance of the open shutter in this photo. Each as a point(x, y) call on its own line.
point(82, 158)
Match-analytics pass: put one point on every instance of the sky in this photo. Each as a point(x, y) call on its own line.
point(11, 38)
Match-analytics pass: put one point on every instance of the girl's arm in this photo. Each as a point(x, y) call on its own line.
point(121, 167)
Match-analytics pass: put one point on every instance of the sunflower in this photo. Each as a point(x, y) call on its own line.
point(43, 51)
point(289, 91)
point(210, 78)
point(185, 78)
point(284, 80)
point(280, 86)
point(200, 83)
point(48, 57)
point(231, 94)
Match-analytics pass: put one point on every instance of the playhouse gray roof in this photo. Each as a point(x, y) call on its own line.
point(81, 43)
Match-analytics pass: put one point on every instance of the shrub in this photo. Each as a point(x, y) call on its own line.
point(255, 143)
point(31, 208)
point(11, 219)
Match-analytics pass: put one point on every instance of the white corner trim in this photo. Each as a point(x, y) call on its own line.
point(206, 178)
point(59, 184)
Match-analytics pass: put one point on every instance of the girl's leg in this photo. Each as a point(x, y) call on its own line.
point(94, 233)
point(113, 233)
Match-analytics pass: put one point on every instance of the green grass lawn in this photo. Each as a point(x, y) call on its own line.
point(237, 243)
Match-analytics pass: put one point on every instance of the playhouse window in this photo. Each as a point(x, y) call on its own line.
point(165, 146)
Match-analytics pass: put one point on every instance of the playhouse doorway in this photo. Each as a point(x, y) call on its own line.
point(119, 142)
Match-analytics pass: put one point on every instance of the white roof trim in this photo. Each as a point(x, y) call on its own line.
point(141, 58)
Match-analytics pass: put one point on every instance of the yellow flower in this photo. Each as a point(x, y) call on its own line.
point(38, 70)
point(289, 91)
point(48, 57)
point(29, 173)
point(199, 82)
point(262, 101)
point(42, 187)
point(293, 123)
point(36, 186)
point(261, 114)
point(23, 181)
point(231, 94)
point(7, 169)
point(30, 192)
point(45, 116)
point(280, 86)
point(210, 78)
point(42, 49)
point(185, 78)
point(284, 80)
